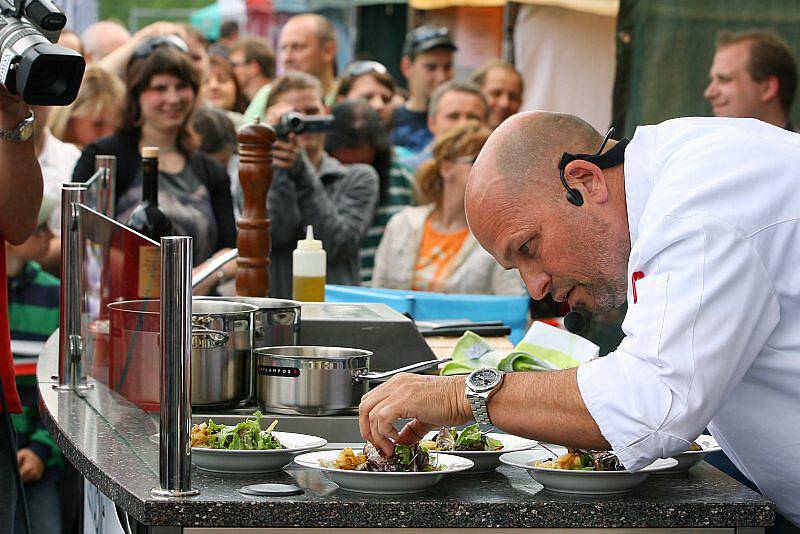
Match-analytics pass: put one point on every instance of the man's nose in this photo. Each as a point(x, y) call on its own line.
point(441, 75)
point(504, 102)
point(376, 103)
point(710, 91)
point(538, 283)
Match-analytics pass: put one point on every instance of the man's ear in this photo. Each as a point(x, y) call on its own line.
point(770, 89)
point(329, 51)
point(405, 67)
point(587, 178)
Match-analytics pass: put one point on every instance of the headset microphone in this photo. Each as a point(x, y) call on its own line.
point(612, 158)
point(575, 322)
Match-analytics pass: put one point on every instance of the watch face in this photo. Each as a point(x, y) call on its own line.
point(26, 130)
point(484, 379)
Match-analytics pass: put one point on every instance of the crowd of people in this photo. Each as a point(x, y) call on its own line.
point(384, 189)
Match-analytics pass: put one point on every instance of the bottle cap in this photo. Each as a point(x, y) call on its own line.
point(150, 152)
point(309, 243)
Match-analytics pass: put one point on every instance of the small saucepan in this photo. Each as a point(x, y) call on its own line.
point(312, 380)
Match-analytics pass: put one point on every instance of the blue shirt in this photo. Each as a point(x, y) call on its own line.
point(411, 129)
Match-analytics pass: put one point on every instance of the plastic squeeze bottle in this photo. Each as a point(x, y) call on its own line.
point(308, 269)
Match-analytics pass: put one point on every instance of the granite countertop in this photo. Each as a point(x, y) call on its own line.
point(108, 440)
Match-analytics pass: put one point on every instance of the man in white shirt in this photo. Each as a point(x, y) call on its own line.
point(696, 223)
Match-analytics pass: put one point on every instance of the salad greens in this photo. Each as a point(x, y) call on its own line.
point(469, 439)
point(245, 436)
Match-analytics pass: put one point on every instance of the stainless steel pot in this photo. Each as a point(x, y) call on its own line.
point(221, 365)
point(221, 352)
point(277, 321)
point(313, 380)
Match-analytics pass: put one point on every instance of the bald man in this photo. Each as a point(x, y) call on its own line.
point(679, 224)
point(308, 44)
point(102, 38)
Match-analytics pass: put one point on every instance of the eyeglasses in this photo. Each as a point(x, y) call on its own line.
point(150, 45)
point(359, 68)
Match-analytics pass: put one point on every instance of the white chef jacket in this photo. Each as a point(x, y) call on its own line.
point(712, 337)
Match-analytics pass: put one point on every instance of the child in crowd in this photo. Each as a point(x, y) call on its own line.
point(33, 297)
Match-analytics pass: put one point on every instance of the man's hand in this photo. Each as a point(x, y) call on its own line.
point(430, 401)
point(284, 151)
point(12, 109)
point(31, 467)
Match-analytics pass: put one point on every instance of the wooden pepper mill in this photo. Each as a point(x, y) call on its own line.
point(253, 240)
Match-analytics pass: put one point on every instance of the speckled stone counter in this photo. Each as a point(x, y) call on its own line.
point(108, 441)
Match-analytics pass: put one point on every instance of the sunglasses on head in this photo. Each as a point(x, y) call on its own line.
point(359, 68)
point(149, 46)
point(428, 33)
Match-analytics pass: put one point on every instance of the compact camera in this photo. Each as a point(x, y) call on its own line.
point(298, 123)
point(31, 64)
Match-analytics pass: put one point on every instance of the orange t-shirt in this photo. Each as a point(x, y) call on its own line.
point(436, 253)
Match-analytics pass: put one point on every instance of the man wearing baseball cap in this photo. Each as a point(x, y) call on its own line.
point(427, 63)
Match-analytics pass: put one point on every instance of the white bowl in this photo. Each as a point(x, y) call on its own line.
point(581, 482)
point(486, 461)
point(250, 462)
point(382, 483)
point(689, 459)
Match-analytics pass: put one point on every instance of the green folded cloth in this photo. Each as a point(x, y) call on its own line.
point(544, 348)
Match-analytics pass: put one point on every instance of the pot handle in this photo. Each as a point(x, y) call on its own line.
point(362, 376)
point(203, 338)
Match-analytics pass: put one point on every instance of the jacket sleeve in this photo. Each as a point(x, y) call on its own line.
point(689, 339)
point(219, 187)
point(340, 223)
point(282, 204)
point(391, 235)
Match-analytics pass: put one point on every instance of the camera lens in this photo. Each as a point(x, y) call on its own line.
point(49, 75)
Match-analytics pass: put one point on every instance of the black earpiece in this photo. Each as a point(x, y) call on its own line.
point(612, 158)
point(574, 321)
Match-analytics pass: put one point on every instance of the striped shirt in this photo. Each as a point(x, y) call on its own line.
point(33, 297)
point(401, 194)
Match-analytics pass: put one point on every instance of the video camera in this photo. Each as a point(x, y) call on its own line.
point(31, 64)
point(298, 123)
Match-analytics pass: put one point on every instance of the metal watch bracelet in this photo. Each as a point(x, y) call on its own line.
point(479, 408)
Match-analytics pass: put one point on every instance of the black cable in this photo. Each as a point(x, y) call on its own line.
point(12, 446)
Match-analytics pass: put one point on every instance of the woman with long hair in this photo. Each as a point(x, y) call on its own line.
point(95, 113)
point(194, 190)
point(221, 90)
point(430, 247)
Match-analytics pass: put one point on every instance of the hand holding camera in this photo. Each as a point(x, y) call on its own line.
point(31, 64)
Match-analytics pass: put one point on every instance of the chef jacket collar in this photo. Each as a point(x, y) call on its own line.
point(639, 179)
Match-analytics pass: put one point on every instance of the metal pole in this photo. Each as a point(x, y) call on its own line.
point(71, 374)
point(105, 203)
point(175, 461)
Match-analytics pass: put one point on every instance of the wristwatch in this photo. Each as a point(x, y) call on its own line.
point(21, 133)
point(480, 386)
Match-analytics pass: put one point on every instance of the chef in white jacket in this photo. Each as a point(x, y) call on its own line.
point(696, 223)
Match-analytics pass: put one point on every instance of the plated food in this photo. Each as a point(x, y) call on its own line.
point(483, 448)
point(469, 439)
point(246, 448)
point(395, 475)
point(244, 436)
point(406, 459)
point(583, 460)
point(587, 481)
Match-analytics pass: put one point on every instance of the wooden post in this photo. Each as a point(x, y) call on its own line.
point(253, 240)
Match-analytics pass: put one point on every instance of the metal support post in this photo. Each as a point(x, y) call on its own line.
point(71, 372)
point(106, 191)
point(175, 461)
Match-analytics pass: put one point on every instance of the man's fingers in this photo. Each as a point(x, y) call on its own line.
point(413, 432)
point(382, 419)
point(368, 402)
